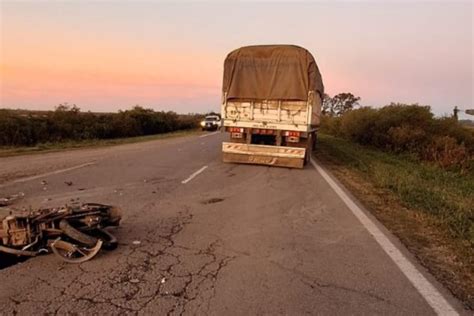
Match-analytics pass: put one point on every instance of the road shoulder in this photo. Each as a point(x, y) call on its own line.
point(447, 259)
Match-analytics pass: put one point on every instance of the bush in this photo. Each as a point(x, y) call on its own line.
point(446, 152)
point(29, 128)
point(406, 138)
point(359, 126)
point(409, 129)
point(331, 125)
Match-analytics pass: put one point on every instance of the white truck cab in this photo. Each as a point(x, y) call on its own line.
point(211, 123)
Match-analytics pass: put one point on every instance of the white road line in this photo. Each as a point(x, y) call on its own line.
point(424, 287)
point(21, 180)
point(210, 134)
point(193, 175)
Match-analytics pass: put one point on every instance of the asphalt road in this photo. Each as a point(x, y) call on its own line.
point(214, 238)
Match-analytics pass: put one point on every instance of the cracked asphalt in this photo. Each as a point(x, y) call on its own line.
point(236, 239)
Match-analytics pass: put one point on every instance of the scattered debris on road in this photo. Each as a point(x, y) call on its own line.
point(212, 201)
point(74, 233)
point(136, 242)
point(68, 183)
point(8, 200)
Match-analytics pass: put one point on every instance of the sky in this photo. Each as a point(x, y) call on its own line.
point(111, 55)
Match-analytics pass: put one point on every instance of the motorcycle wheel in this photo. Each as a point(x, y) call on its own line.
point(109, 241)
point(76, 234)
point(72, 253)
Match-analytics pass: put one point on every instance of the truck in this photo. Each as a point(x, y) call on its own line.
point(271, 105)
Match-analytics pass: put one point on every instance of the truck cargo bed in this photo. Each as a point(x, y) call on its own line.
point(283, 115)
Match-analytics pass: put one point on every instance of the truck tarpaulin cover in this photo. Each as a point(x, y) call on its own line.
point(271, 72)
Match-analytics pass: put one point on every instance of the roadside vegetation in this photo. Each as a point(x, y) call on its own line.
point(407, 129)
point(415, 173)
point(68, 124)
point(7, 151)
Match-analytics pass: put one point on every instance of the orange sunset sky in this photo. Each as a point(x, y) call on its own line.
point(111, 55)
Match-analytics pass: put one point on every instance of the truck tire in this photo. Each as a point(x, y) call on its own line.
point(315, 141)
point(309, 149)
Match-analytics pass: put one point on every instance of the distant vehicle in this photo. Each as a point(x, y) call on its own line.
point(211, 123)
point(272, 96)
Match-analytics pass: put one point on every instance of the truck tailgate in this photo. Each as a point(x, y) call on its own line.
point(264, 155)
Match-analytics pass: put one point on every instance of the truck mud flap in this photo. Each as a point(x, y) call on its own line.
point(281, 156)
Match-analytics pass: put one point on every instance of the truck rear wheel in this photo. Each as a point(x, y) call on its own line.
point(309, 149)
point(315, 141)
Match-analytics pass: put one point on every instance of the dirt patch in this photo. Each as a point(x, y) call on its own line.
point(212, 201)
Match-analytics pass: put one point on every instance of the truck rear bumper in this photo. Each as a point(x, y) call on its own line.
point(292, 157)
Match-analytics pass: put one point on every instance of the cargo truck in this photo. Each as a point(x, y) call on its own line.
point(271, 105)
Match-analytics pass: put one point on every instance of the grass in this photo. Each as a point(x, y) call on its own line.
point(69, 145)
point(429, 209)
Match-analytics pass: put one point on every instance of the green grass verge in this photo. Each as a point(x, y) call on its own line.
point(429, 209)
point(449, 196)
point(69, 145)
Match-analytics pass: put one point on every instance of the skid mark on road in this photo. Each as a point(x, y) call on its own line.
point(21, 180)
point(424, 287)
point(194, 175)
point(210, 134)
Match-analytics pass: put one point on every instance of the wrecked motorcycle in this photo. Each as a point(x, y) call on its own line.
point(74, 233)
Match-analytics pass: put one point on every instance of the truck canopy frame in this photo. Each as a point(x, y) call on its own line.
point(270, 72)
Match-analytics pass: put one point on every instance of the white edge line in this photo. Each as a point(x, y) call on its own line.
point(193, 175)
point(21, 180)
point(210, 134)
point(432, 296)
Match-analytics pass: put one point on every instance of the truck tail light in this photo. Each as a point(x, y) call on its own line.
point(236, 129)
point(292, 134)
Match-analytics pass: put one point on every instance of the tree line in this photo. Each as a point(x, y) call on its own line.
point(66, 123)
point(400, 128)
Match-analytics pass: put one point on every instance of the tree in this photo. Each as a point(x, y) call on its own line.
point(344, 102)
point(327, 108)
point(339, 104)
point(65, 107)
